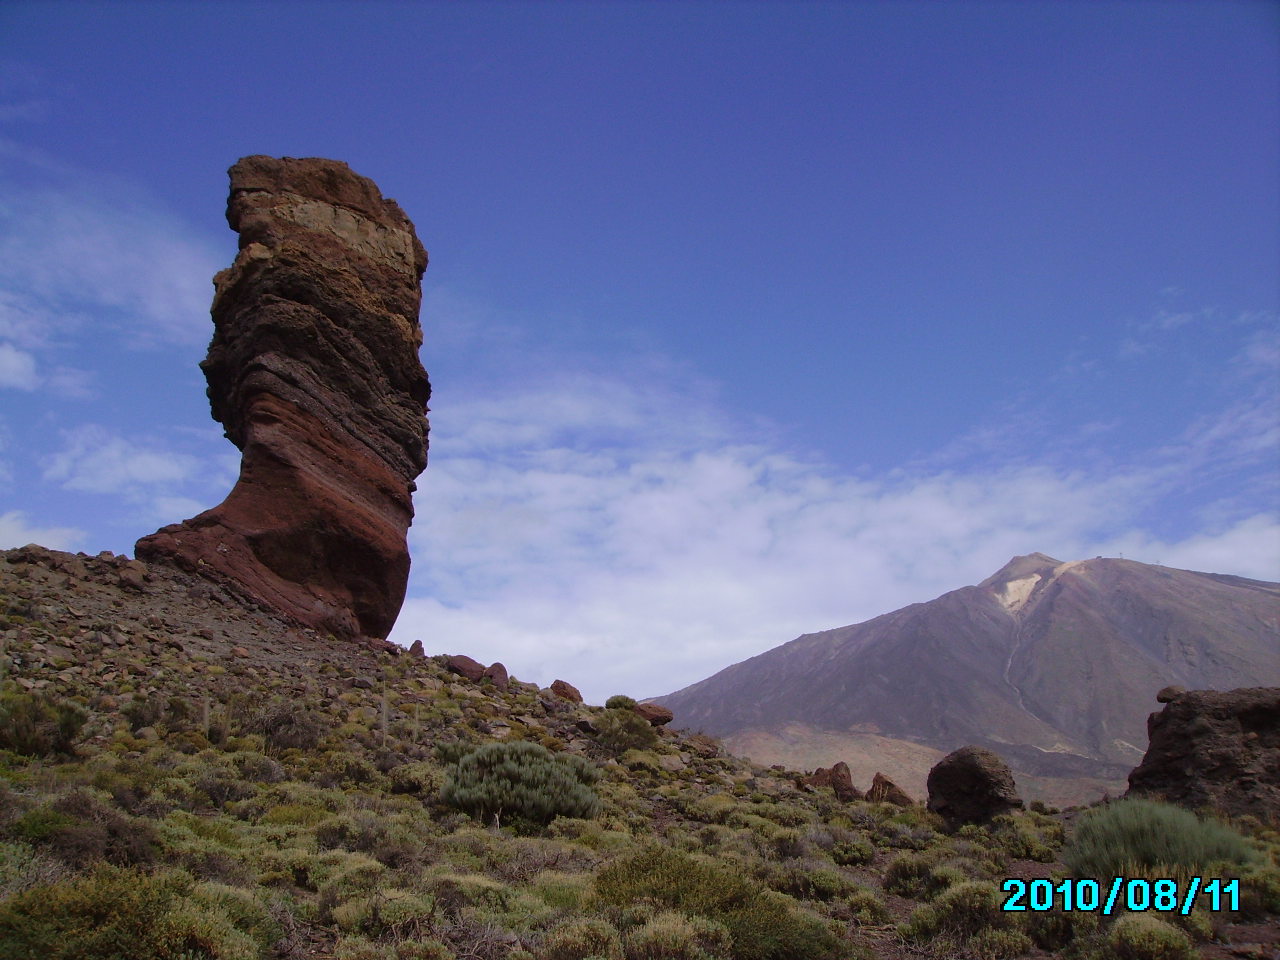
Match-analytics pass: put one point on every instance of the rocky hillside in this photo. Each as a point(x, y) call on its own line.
point(184, 776)
point(1053, 665)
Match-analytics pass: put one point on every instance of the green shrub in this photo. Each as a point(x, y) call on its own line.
point(522, 782)
point(622, 730)
point(674, 936)
point(1055, 929)
point(583, 938)
point(866, 907)
point(764, 925)
point(34, 725)
point(118, 914)
point(853, 851)
point(285, 725)
point(961, 912)
point(620, 701)
point(1141, 936)
point(1137, 836)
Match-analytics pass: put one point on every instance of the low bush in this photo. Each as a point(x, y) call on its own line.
point(621, 730)
point(116, 913)
point(1141, 936)
point(674, 936)
point(1135, 836)
point(582, 938)
point(963, 912)
point(35, 725)
point(620, 701)
point(763, 925)
point(523, 783)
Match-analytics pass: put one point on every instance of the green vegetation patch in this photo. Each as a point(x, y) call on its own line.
point(763, 925)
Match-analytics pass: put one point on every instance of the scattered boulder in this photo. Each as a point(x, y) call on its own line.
point(972, 785)
point(839, 779)
point(1210, 748)
point(416, 649)
point(655, 713)
point(464, 666)
point(566, 691)
point(496, 673)
point(884, 790)
point(313, 371)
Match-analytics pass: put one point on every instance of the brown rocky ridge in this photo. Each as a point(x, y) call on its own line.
point(313, 371)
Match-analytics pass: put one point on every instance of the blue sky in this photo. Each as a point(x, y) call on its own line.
point(743, 319)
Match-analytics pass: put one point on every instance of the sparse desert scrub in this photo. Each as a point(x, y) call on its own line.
point(969, 914)
point(37, 725)
point(1140, 936)
point(764, 925)
point(114, 913)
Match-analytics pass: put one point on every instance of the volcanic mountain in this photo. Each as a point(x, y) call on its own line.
point(1054, 666)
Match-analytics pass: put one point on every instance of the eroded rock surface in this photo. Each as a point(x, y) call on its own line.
point(1215, 749)
point(314, 372)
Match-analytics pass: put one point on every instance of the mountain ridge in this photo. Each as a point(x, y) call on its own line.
point(1052, 664)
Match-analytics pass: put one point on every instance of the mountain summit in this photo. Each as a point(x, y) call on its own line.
point(1053, 665)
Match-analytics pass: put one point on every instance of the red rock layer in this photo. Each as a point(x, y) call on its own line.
point(314, 372)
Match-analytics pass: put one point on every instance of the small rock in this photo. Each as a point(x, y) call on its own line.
point(464, 666)
point(566, 691)
point(362, 683)
point(133, 574)
point(147, 733)
point(1170, 693)
point(416, 649)
point(655, 713)
point(671, 763)
point(884, 790)
point(239, 652)
point(586, 726)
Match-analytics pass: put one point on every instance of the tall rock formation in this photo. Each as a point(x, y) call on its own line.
point(313, 370)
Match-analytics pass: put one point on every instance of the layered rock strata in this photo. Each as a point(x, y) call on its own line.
point(313, 371)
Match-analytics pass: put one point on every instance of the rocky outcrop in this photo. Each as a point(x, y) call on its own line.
point(1215, 749)
point(971, 785)
point(884, 790)
point(313, 371)
point(839, 779)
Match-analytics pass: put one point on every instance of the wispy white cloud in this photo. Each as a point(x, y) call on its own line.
point(68, 251)
point(16, 532)
point(96, 460)
point(621, 534)
point(17, 368)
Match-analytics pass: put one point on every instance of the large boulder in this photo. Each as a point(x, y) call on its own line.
point(313, 371)
point(971, 785)
point(1214, 749)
